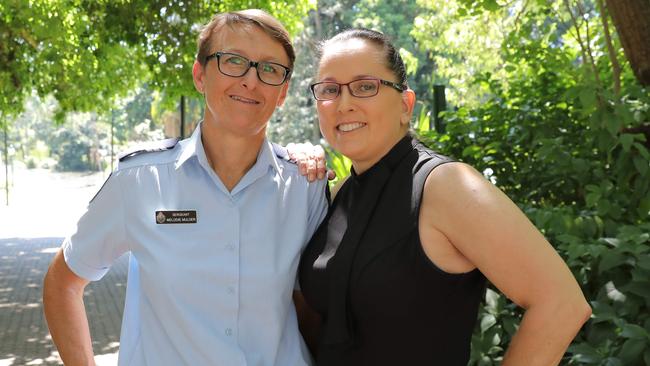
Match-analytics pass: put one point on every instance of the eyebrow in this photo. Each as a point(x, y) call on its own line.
point(242, 53)
point(355, 77)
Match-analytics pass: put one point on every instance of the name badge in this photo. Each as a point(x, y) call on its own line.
point(176, 217)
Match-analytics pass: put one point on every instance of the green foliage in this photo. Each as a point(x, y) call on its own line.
point(87, 54)
point(77, 148)
point(55, 48)
point(554, 139)
point(340, 164)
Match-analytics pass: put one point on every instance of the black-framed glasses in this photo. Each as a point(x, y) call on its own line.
point(232, 64)
point(360, 88)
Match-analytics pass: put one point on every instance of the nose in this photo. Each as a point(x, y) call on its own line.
point(346, 100)
point(249, 80)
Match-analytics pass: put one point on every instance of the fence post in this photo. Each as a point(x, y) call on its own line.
point(439, 105)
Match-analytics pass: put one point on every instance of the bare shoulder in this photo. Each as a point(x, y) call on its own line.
point(457, 197)
point(457, 183)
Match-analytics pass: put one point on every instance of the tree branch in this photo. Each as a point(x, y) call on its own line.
point(586, 50)
point(521, 12)
point(588, 43)
point(616, 67)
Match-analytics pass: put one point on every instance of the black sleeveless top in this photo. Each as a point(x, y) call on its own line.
point(382, 300)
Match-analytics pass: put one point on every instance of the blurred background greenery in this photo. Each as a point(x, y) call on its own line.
point(548, 98)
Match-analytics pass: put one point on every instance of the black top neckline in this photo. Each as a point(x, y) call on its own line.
point(391, 160)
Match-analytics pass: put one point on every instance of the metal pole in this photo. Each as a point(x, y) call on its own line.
point(182, 135)
point(6, 165)
point(112, 123)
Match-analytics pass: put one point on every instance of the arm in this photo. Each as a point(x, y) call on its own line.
point(65, 313)
point(490, 231)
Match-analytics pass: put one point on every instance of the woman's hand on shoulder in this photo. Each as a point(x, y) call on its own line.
point(311, 160)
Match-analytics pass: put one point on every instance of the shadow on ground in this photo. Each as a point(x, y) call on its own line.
point(24, 337)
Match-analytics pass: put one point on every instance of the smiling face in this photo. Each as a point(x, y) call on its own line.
point(240, 106)
point(363, 129)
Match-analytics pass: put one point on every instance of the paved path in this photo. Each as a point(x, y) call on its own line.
point(43, 208)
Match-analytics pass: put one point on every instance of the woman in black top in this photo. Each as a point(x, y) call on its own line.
point(396, 271)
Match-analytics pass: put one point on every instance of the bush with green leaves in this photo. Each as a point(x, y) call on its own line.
point(559, 145)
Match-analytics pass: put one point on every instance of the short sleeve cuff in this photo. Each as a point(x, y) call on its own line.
point(78, 267)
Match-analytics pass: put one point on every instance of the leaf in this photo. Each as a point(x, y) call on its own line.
point(633, 331)
point(510, 325)
point(610, 259)
point(471, 151)
point(592, 198)
point(491, 5)
point(642, 150)
point(487, 322)
point(588, 98)
point(492, 300)
point(602, 312)
point(644, 262)
point(639, 288)
point(612, 123)
point(626, 141)
point(613, 361)
point(613, 242)
point(585, 353)
point(604, 207)
point(632, 350)
point(624, 113)
point(641, 164)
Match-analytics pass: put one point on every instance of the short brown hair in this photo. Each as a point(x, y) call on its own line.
point(256, 17)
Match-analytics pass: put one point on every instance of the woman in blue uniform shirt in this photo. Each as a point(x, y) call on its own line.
point(396, 271)
point(214, 224)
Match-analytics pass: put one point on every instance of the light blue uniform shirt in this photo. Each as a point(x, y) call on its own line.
point(214, 292)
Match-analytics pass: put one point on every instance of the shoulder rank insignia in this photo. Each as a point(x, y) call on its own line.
point(148, 147)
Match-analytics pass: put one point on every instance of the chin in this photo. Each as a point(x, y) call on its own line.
point(350, 152)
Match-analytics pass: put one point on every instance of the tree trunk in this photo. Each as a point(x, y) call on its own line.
point(632, 21)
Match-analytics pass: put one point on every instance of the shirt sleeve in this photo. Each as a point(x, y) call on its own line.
point(99, 238)
point(318, 204)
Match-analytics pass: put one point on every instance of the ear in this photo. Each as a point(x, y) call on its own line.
point(408, 103)
point(198, 74)
point(283, 94)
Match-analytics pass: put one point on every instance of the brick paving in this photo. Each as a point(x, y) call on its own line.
point(44, 206)
point(24, 338)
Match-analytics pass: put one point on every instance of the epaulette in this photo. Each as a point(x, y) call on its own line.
point(281, 152)
point(148, 147)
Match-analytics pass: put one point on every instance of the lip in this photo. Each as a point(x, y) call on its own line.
point(244, 100)
point(350, 126)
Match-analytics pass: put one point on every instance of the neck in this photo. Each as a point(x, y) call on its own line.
point(230, 156)
point(361, 166)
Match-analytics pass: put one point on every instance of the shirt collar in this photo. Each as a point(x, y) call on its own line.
point(193, 146)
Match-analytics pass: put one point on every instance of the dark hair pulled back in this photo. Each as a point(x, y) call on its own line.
point(393, 59)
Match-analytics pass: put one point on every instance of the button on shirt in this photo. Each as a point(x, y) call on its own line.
point(212, 292)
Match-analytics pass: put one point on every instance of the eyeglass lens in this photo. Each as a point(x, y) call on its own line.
point(358, 88)
point(236, 66)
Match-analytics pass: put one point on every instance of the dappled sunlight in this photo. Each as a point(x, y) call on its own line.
point(7, 361)
point(25, 339)
point(49, 250)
